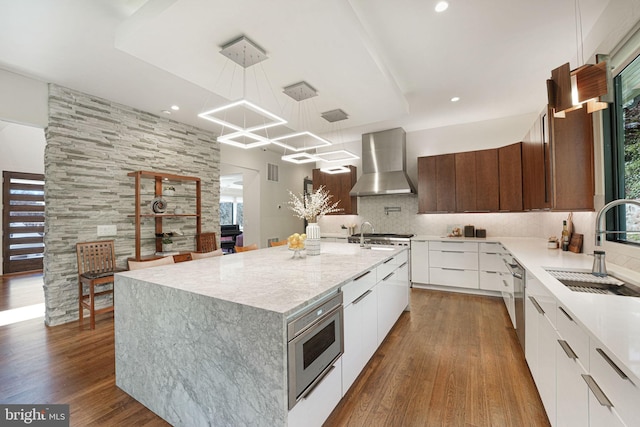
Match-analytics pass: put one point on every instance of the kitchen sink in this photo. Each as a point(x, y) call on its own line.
point(580, 281)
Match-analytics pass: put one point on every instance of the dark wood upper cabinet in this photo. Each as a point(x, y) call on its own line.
point(487, 181)
point(572, 159)
point(465, 181)
point(477, 181)
point(510, 172)
point(436, 184)
point(536, 167)
point(339, 185)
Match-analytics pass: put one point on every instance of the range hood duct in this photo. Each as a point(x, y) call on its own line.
point(384, 165)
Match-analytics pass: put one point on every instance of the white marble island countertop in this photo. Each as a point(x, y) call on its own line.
point(204, 342)
point(268, 279)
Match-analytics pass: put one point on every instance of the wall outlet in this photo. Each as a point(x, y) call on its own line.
point(107, 230)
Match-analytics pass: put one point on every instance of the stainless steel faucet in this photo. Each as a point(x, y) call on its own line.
point(600, 230)
point(362, 245)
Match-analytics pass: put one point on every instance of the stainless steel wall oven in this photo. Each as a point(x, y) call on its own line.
point(314, 344)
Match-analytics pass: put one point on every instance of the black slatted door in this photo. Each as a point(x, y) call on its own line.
point(22, 221)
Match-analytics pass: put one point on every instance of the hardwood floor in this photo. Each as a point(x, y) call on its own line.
point(21, 290)
point(453, 361)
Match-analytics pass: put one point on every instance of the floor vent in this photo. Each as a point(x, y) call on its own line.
point(272, 172)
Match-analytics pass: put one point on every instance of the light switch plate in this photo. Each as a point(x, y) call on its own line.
point(107, 230)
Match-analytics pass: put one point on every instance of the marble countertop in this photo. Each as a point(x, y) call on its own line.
point(268, 279)
point(613, 320)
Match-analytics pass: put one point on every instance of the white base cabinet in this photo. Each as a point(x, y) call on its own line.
point(393, 298)
point(420, 261)
point(360, 335)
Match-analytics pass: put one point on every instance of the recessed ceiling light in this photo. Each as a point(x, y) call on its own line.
point(175, 107)
point(442, 6)
point(455, 99)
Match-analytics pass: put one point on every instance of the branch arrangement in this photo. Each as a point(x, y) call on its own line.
point(313, 205)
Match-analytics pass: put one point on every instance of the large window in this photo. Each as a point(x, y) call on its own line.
point(624, 177)
point(231, 211)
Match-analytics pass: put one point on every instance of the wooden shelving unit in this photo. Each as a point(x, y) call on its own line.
point(160, 179)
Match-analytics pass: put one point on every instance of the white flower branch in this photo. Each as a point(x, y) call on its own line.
point(313, 205)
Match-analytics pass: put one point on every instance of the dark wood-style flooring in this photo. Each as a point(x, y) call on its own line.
point(453, 361)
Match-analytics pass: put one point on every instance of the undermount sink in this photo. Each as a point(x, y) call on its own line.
point(580, 281)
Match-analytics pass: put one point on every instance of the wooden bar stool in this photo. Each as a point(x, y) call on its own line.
point(278, 243)
point(251, 247)
point(96, 267)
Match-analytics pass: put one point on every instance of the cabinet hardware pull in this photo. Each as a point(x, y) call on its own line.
point(452, 269)
point(536, 305)
point(612, 363)
point(505, 283)
point(362, 275)
point(567, 349)
point(491, 253)
point(361, 297)
point(389, 260)
point(388, 275)
point(452, 252)
point(318, 381)
point(565, 313)
point(491, 272)
point(597, 391)
point(450, 242)
point(403, 264)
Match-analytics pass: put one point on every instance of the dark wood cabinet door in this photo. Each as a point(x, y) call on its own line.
point(487, 181)
point(437, 184)
point(339, 185)
point(466, 181)
point(572, 156)
point(536, 174)
point(510, 174)
point(446, 183)
point(427, 189)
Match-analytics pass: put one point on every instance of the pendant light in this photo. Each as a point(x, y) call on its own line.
point(243, 118)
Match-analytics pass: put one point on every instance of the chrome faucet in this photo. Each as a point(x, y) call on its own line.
point(362, 245)
point(600, 229)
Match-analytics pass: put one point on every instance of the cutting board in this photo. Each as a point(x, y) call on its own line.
point(575, 244)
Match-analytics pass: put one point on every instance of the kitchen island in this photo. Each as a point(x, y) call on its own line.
point(205, 343)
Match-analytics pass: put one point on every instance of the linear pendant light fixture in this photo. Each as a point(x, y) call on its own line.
point(242, 116)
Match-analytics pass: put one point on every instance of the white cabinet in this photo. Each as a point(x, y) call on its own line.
point(453, 263)
point(393, 298)
point(360, 325)
point(541, 342)
point(420, 261)
point(316, 407)
point(615, 385)
point(360, 335)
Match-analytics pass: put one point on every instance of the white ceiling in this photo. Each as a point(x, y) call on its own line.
point(386, 63)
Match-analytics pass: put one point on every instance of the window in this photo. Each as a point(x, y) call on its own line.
point(623, 174)
point(231, 212)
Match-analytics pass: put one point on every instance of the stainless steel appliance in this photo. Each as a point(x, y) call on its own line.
point(391, 239)
point(518, 273)
point(315, 342)
point(384, 164)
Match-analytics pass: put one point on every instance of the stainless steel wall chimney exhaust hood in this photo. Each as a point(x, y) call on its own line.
point(384, 165)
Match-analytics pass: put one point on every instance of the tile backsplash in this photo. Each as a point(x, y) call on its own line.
point(398, 214)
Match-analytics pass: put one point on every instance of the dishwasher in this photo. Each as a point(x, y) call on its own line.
point(519, 283)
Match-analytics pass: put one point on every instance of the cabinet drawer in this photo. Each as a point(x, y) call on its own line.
point(453, 245)
point(615, 384)
point(317, 406)
point(453, 259)
point(495, 247)
point(454, 277)
point(493, 261)
point(386, 268)
point(358, 286)
point(496, 281)
point(573, 334)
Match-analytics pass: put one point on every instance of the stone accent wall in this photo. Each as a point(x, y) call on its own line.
point(92, 144)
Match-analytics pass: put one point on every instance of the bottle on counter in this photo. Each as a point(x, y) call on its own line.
point(565, 236)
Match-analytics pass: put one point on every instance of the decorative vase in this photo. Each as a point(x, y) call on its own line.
point(167, 247)
point(312, 243)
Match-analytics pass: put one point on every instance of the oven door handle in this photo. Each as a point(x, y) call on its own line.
point(318, 380)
